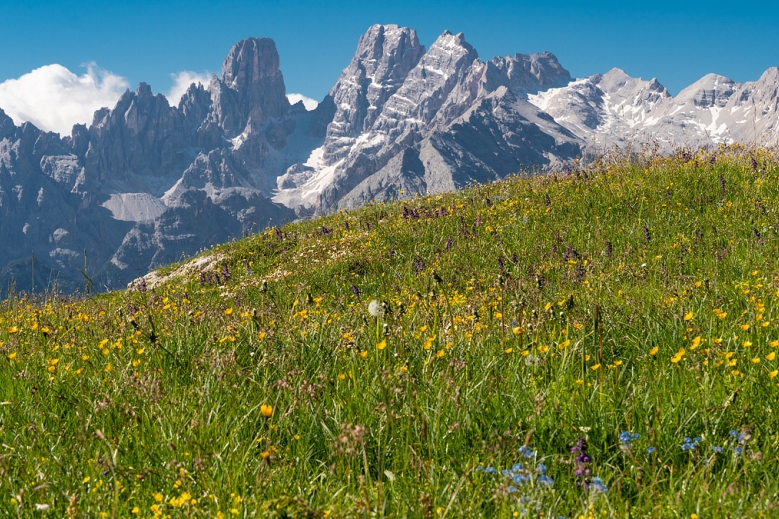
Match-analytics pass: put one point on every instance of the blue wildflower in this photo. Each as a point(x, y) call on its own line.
point(527, 452)
point(517, 467)
point(520, 479)
point(691, 443)
point(717, 448)
point(625, 437)
point(541, 468)
point(546, 481)
point(490, 470)
point(598, 486)
point(512, 490)
point(650, 450)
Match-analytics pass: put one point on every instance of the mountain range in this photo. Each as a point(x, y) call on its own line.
point(147, 183)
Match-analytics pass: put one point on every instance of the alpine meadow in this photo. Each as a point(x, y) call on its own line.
point(597, 341)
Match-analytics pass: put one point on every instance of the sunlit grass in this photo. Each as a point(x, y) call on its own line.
point(393, 361)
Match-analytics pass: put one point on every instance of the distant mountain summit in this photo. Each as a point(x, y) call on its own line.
point(614, 108)
point(147, 182)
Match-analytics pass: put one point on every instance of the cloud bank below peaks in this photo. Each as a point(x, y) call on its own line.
point(54, 99)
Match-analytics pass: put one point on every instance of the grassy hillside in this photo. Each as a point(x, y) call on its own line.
point(595, 343)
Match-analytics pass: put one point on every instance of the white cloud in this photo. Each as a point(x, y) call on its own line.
point(54, 99)
point(181, 82)
point(309, 103)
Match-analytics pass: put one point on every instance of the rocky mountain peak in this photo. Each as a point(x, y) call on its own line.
point(384, 50)
point(384, 57)
point(709, 91)
point(7, 125)
point(531, 73)
point(614, 79)
point(143, 90)
point(249, 62)
point(252, 86)
point(148, 181)
point(453, 43)
point(771, 75)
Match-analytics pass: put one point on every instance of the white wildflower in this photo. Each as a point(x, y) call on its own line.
point(375, 309)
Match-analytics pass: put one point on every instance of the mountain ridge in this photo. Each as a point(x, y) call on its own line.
point(148, 181)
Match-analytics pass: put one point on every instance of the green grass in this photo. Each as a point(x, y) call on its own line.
point(635, 296)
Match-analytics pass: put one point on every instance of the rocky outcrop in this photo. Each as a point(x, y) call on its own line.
point(367, 141)
point(500, 135)
point(531, 73)
point(138, 146)
point(146, 182)
point(251, 87)
point(385, 55)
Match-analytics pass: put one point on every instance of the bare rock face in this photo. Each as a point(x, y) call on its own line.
point(603, 104)
point(531, 73)
point(499, 135)
point(147, 182)
point(446, 82)
point(42, 216)
point(251, 88)
point(7, 126)
point(385, 55)
point(137, 145)
point(614, 108)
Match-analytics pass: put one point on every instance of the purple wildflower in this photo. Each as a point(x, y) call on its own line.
point(582, 470)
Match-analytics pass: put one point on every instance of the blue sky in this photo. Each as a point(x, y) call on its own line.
point(675, 41)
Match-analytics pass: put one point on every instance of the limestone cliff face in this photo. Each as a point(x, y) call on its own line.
point(147, 182)
point(368, 134)
point(131, 191)
point(385, 55)
point(251, 87)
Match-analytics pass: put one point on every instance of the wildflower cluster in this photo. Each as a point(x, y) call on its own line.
point(377, 355)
